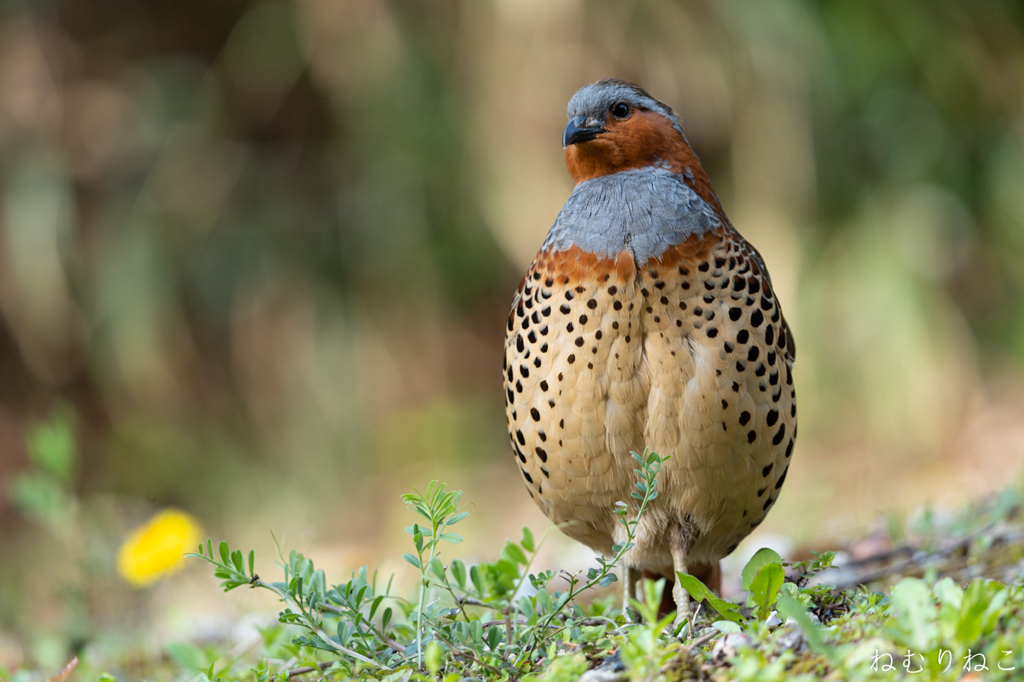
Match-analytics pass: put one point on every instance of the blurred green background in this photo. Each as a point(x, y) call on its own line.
point(259, 256)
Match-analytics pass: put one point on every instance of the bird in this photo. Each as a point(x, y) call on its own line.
point(647, 322)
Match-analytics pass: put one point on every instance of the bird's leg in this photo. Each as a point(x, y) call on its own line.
point(630, 578)
point(680, 595)
point(680, 546)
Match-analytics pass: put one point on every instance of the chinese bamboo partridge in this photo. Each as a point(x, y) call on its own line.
point(647, 321)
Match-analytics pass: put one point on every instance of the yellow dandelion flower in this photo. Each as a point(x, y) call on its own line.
point(158, 547)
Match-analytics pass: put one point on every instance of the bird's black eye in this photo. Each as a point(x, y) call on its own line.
point(621, 110)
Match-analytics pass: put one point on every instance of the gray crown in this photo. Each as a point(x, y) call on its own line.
point(594, 101)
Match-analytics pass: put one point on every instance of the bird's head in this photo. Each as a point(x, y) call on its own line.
point(615, 125)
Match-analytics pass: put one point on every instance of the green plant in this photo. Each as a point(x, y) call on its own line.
point(441, 510)
point(480, 618)
point(499, 620)
point(44, 492)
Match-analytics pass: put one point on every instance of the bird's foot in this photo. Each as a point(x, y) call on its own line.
point(684, 615)
point(684, 612)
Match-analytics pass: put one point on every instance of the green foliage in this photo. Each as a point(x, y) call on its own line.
point(698, 591)
point(761, 558)
point(765, 586)
point(794, 608)
point(43, 492)
point(51, 446)
point(496, 617)
point(915, 613)
point(441, 511)
point(502, 620)
point(498, 620)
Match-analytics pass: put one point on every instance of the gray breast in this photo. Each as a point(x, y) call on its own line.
point(645, 210)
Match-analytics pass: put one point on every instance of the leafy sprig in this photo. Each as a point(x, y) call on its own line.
point(503, 620)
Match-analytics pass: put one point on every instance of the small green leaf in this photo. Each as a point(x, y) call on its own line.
point(527, 541)
point(696, 589)
point(916, 613)
point(478, 580)
point(950, 596)
point(413, 559)
point(343, 632)
point(726, 626)
point(526, 607)
point(507, 567)
point(459, 572)
point(375, 605)
point(761, 558)
point(515, 553)
point(652, 591)
point(996, 605)
point(188, 656)
point(975, 603)
point(789, 607)
point(433, 656)
point(823, 560)
point(451, 538)
point(726, 609)
point(765, 586)
point(493, 637)
point(52, 447)
point(385, 617)
point(437, 568)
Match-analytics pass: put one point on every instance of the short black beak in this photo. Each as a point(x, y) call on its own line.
point(576, 132)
